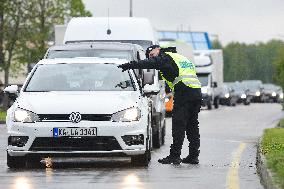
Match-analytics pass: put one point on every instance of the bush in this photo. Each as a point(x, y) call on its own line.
point(272, 146)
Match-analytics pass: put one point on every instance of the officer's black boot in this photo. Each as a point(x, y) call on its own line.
point(170, 160)
point(192, 158)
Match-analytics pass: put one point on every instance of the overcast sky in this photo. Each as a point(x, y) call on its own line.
point(246, 21)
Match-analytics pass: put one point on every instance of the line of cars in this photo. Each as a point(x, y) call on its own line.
point(248, 91)
point(76, 102)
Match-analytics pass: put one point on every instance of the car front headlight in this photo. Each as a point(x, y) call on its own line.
point(257, 93)
point(273, 94)
point(25, 116)
point(130, 114)
point(227, 95)
point(204, 90)
point(281, 95)
point(243, 96)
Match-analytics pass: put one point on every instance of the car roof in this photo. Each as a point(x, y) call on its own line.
point(97, 45)
point(91, 60)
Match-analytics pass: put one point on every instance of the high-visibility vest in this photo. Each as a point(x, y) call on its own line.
point(187, 72)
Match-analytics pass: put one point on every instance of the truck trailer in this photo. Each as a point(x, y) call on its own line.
point(209, 68)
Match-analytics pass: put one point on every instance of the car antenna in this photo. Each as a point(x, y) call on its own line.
point(108, 30)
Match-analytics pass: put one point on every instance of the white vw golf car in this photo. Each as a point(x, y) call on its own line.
point(79, 107)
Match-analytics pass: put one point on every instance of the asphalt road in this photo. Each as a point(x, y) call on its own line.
point(228, 149)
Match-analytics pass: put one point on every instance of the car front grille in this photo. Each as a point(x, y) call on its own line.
point(65, 117)
point(98, 143)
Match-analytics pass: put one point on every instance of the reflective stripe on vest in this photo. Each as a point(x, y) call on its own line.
point(179, 78)
point(187, 72)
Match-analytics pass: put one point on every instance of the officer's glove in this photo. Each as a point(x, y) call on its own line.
point(132, 62)
point(124, 67)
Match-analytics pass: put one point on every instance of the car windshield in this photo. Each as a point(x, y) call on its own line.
point(203, 79)
point(269, 87)
point(102, 53)
point(252, 85)
point(236, 87)
point(225, 89)
point(79, 77)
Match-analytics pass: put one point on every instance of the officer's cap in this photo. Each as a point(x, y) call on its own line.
point(149, 49)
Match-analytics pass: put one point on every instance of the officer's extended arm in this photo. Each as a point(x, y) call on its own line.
point(151, 63)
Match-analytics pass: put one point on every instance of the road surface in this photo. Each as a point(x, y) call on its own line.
point(228, 151)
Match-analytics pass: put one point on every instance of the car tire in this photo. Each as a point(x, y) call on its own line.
point(141, 160)
point(157, 139)
point(164, 133)
point(229, 103)
point(158, 135)
point(209, 105)
point(16, 161)
point(246, 102)
point(216, 103)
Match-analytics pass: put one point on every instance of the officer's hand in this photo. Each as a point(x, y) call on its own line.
point(132, 62)
point(124, 67)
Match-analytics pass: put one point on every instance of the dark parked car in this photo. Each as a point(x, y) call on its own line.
point(271, 92)
point(228, 96)
point(241, 92)
point(255, 90)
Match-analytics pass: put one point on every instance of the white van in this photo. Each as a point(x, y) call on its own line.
point(126, 30)
point(118, 29)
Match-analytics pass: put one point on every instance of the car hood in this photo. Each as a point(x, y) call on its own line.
point(83, 102)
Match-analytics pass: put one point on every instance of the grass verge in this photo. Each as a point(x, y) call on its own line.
point(272, 146)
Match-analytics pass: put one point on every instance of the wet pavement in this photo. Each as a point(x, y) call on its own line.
point(228, 149)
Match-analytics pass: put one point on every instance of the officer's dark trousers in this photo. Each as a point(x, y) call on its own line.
point(185, 120)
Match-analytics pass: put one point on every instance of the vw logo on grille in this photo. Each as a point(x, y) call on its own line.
point(75, 117)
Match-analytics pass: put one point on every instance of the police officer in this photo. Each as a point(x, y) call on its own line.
point(180, 75)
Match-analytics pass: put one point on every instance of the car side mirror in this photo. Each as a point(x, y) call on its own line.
point(214, 85)
point(148, 78)
point(12, 89)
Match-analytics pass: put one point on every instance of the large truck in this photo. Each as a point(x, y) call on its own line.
point(124, 30)
point(209, 68)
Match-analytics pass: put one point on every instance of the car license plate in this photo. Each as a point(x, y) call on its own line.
point(67, 131)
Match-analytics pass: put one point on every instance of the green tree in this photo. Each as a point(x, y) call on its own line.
point(216, 44)
point(12, 14)
point(78, 9)
point(279, 68)
point(39, 28)
point(235, 62)
point(253, 61)
point(26, 27)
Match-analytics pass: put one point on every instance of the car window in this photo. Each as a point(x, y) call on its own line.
point(203, 79)
point(102, 53)
point(79, 77)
